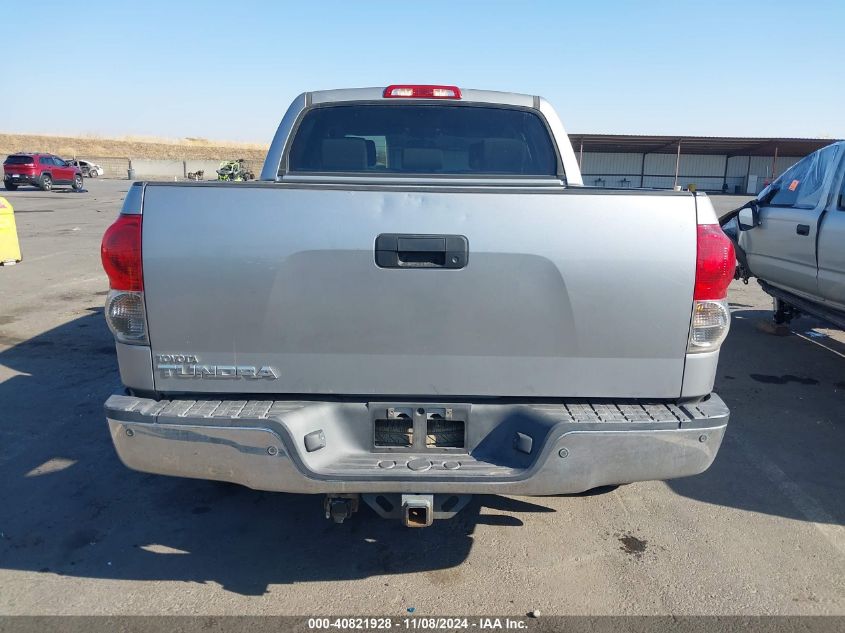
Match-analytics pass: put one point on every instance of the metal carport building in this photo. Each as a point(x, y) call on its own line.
point(711, 163)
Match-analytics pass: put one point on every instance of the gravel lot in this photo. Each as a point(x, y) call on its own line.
point(760, 533)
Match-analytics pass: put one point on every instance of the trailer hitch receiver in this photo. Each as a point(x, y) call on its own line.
point(417, 510)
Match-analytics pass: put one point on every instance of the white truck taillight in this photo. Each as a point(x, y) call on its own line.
point(714, 270)
point(121, 255)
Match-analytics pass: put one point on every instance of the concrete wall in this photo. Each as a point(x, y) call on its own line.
point(162, 169)
point(158, 168)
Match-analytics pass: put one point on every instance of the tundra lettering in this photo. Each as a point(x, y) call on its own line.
point(215, 371)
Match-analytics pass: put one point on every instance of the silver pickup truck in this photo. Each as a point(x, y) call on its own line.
point(792, 238)
point(418, 301)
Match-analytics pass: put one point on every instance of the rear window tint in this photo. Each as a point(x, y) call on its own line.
point(427, 139)
point(18, 160)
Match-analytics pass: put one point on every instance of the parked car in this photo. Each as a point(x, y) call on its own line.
point(39, 170)
point(89, 169)
point(792, 238)
point(418, 303)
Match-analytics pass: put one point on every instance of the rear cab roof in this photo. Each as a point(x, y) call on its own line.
point(377, 94)
point(571, 175)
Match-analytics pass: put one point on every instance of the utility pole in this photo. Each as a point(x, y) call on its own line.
point(677, 164)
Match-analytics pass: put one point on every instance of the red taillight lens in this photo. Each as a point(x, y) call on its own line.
point(121, 253)
point(415, 91)
point(715, 263)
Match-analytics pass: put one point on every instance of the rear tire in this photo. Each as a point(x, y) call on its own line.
point(46, 182)
point(9, 186)
point(93, 173)
point(77, 183)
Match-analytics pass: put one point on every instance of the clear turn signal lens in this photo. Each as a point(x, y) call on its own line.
point(711, 320)
point(126, 317)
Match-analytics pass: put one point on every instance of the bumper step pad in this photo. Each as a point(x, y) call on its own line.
point(572, 413)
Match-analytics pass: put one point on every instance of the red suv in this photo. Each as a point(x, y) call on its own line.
point(41, 170)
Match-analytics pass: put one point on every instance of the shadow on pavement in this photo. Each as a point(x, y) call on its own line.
point(56, 189)
point(782, 454)
point(71, 507)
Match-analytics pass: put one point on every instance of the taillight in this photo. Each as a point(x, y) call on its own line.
point(121, 255)
point(715, 263)
point(415, 91)
point(714, 270)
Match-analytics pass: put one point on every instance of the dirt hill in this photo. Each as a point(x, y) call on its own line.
point(131, 147)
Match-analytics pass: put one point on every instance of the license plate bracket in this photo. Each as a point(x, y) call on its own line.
point(419, 427)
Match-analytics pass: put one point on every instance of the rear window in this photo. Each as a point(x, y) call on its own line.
point(18, 160)
point(428, 139)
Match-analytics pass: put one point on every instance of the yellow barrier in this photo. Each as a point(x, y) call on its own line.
point(10, 249)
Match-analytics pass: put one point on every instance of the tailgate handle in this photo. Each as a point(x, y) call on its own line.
point(399, 250)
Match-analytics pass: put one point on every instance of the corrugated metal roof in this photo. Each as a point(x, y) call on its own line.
point(724, 145)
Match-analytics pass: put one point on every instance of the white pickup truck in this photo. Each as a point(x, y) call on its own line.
point(418, 301)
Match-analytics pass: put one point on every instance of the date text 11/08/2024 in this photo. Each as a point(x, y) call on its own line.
point(417, 623)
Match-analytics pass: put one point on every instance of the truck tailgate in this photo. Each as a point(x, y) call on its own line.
point(565, 292)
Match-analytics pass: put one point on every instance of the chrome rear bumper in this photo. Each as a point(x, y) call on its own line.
point(573, 447)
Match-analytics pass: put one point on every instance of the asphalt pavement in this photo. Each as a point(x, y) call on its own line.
point(761, 532)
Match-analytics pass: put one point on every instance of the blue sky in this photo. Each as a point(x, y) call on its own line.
point(176, 69)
